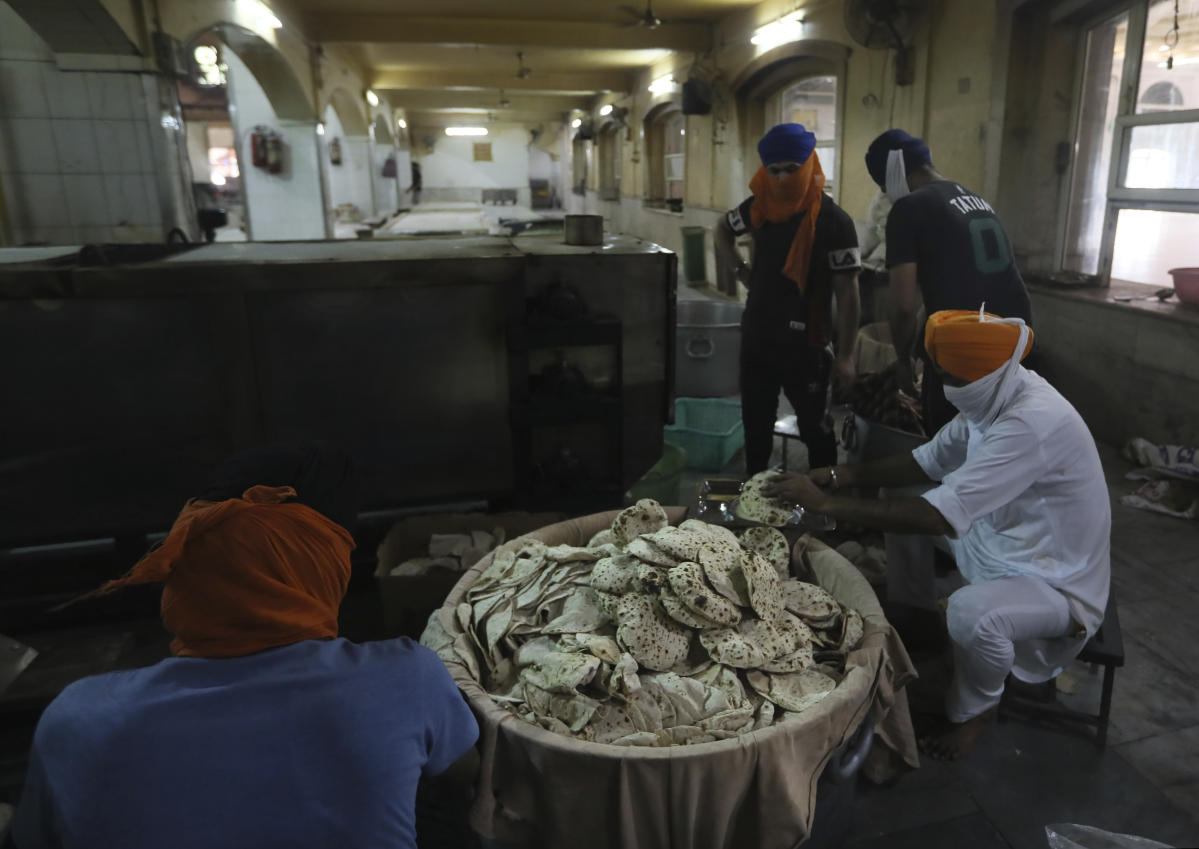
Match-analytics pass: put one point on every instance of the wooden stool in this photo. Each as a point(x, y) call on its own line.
point(1105, 649)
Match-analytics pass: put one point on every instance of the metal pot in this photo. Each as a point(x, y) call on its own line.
point(584, 229)
point(708, 348)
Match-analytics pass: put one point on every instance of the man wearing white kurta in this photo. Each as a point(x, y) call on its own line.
point(1022, 502)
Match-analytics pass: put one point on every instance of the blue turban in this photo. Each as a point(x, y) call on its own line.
point(786, 143)
point(915, 154)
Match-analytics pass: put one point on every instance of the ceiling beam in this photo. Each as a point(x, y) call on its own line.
point(449, 119)
point(483, 99)
point(588, 82)
point(400, 29)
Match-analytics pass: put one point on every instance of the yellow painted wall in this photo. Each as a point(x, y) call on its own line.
point(959, 87)
point(955, 42)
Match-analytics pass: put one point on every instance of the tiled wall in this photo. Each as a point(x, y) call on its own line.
point(76, 157)
point(1146, 381)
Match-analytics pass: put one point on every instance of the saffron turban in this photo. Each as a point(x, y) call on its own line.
point(970, 344)
point(261, 559)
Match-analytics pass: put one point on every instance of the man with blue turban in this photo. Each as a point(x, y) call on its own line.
point(805, 252)
point(945, 247)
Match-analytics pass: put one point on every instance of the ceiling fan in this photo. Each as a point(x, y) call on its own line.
point(523, 72)
point(640, 18)
point(646, 18)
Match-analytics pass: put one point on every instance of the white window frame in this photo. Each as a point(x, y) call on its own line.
point(832, 184)
point(1120, 197)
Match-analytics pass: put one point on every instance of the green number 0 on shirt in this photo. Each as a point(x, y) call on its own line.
point(985, 263)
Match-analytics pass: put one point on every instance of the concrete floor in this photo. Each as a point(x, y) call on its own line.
point(1022, 777)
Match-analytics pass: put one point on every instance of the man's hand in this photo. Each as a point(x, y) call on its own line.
point(741, 272)
point(795, 489)
point(822, 477)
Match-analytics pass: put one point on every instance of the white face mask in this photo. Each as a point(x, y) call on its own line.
point(897, 176)
point(981, 400)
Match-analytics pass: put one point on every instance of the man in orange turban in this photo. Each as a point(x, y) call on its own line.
point(265, 728)
point(805, 252)
point(1019, 496)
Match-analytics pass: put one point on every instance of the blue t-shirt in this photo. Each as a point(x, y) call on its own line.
point(316, 744)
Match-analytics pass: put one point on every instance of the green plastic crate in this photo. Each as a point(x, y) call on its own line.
point(661, 482)
point(708, 429)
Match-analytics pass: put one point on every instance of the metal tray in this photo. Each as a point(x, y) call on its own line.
point(717, 501)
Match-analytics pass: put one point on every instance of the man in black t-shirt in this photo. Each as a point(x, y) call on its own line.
point(945, 246)
point(805, 252)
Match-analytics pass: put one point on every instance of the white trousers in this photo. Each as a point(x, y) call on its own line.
point(1017, 625)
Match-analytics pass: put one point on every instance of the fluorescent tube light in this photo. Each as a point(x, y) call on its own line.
point(662, 85)
point(785, 29)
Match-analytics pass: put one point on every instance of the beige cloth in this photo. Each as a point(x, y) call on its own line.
point(538, 788)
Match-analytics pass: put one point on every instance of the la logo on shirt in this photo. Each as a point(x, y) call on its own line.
point(844, 259)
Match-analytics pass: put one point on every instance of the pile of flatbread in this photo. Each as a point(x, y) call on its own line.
point(650, 634)
point(753, 506)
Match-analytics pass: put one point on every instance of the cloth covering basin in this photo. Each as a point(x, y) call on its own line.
point(538, 788)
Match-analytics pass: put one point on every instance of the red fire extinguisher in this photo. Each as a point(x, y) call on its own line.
point(258, 147)
point(266, 150)
point(274, 153)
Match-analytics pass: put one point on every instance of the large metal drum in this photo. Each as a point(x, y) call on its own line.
point(708, 348)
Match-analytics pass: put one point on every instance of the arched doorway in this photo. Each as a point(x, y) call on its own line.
point(261, 151)
point(384, 175)
point(346, 157)
point(666, 156)
point(801, 82)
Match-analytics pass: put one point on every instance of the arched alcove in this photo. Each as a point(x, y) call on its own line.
point(665, 154)
point(349, 112)
point(383, 135)
point(273, 133)
point(786, 70)
point(270, 69)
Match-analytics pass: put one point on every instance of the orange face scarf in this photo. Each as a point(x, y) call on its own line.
point(780, 200)
point(967, 348)
point(247, 574)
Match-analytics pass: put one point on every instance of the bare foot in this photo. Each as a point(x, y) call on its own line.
point(955, 739)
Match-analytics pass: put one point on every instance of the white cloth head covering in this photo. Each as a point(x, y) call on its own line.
point(897, 176)
point(982, 399)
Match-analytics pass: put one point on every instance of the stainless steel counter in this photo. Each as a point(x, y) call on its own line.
point(124, 382)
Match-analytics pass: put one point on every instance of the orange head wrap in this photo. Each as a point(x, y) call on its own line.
point(778, 200)
point(247, 574)
point(968, 347)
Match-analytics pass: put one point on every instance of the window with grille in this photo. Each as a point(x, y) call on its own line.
point(812, 102)
point(1132, 204)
